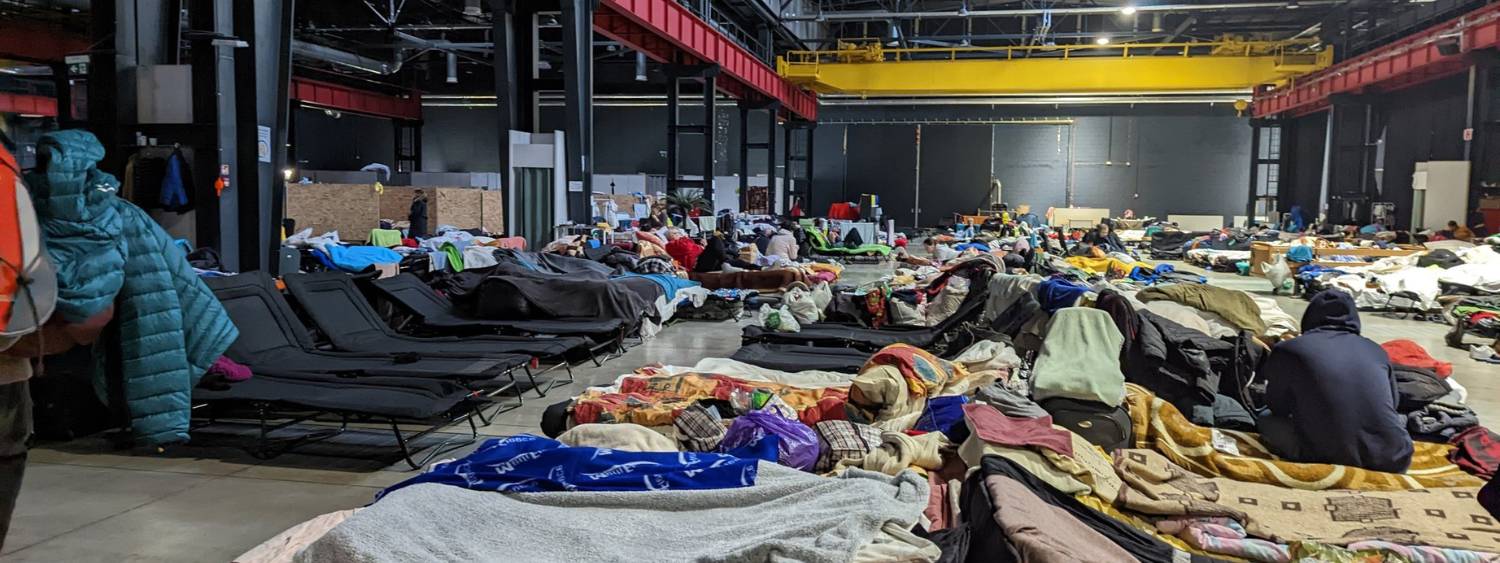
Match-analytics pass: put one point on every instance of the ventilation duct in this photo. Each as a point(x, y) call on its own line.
point(343, 58)
point(452, 68)
point(472, 8)
point(640, 66)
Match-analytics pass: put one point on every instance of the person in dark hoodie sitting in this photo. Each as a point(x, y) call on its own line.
point(1332, 395)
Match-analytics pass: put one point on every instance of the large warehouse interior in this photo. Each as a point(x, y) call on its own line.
point(864, 281)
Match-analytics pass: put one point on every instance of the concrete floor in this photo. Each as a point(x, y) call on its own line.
point(83, 502)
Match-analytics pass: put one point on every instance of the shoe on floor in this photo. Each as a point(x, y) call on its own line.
point(1484, 354)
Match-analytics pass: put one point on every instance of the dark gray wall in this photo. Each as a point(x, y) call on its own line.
point(345, 143)
point(1156, 162)
point(627, 140)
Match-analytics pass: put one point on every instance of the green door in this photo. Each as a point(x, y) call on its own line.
point(534, 211)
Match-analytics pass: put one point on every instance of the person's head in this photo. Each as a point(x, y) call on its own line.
point(930, 243)
point(1453, 225)
point(1331, 310)
point(418, 194)
point(1103, 228)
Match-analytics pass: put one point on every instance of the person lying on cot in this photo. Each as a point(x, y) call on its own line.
point(1332, 395)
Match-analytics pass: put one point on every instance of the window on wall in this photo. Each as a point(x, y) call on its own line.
point(1267, 162)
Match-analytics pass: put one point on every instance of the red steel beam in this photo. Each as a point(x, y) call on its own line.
point(344, 98)
point(39, 42)
point(668, 32)
point(28, 104)
point(1402, 64)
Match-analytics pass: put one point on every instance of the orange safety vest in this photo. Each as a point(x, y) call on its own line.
point(11, 257)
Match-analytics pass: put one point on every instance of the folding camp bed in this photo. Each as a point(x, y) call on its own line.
point(433, 313)
point(272, 340)
point(870, 339)
point(341, 312)
point(799, 357)
point(865, 253)
point(294, 398)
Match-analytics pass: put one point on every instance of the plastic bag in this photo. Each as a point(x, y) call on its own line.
point(779, 319)
point(1277, 271)
point(797, 447)
point(800, 302)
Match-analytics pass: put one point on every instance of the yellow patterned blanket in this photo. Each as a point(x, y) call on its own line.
point(1159, 426)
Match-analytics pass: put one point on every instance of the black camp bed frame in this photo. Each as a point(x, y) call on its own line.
point(429, 311)
point(274, 319)
point(279, 397)
point(342, 313)
point(869, 339)
point(798, 357)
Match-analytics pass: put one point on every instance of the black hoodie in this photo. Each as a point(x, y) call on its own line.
point(1337, 388)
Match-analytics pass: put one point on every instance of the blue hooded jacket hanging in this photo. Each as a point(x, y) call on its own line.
point(175, 186)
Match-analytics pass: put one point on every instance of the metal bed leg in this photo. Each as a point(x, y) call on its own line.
point(534, 387)
point(438, 449)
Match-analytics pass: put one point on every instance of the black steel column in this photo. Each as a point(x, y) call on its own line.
point(1484, 172)
point(786, 163)
point(746, 145)
point(675, 75)
point(790, 155)
point(280, 132)
point(771, 160)
point(672, 118)
point(1255, 160)
point(710, 136)
point(807, 198)
point(214, 106)
point(262, 78)
point(1350, 174)
point(578, 89)
point(744, 169)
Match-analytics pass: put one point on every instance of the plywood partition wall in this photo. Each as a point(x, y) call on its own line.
point(458, 207)
point(395, 204)
point(492, 212)
point(354, 209)
point(350, 209)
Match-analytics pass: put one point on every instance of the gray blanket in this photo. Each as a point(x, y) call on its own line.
point(787, 516)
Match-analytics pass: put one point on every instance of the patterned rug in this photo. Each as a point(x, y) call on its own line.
point(1159, 426)
point(1450, 518)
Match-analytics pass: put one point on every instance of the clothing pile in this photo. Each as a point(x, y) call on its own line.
point(1100, 422)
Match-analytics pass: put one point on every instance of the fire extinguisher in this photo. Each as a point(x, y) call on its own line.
point(222, 182)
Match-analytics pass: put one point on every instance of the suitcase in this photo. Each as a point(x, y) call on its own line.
point(1102, 425)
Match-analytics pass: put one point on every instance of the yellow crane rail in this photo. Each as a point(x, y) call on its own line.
point(871, 69)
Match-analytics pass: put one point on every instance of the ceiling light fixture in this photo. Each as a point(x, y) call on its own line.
point(1292, 4)
point(1102, 40)
point(1128, 10)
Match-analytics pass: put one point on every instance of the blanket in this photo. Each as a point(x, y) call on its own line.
point(1234, 305)
point(761, 280)
point(654, 401)
point(1159, 426)
point(1444, 518)
point(787, 516)
point(532, 464)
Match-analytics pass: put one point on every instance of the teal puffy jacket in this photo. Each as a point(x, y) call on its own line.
point(107, 250)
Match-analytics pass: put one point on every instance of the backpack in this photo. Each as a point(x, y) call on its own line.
point(1102, 425)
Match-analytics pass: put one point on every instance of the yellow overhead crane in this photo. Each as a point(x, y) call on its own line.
point(867, 68)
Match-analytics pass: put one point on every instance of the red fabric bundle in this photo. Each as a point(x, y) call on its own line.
point(1407, 353)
